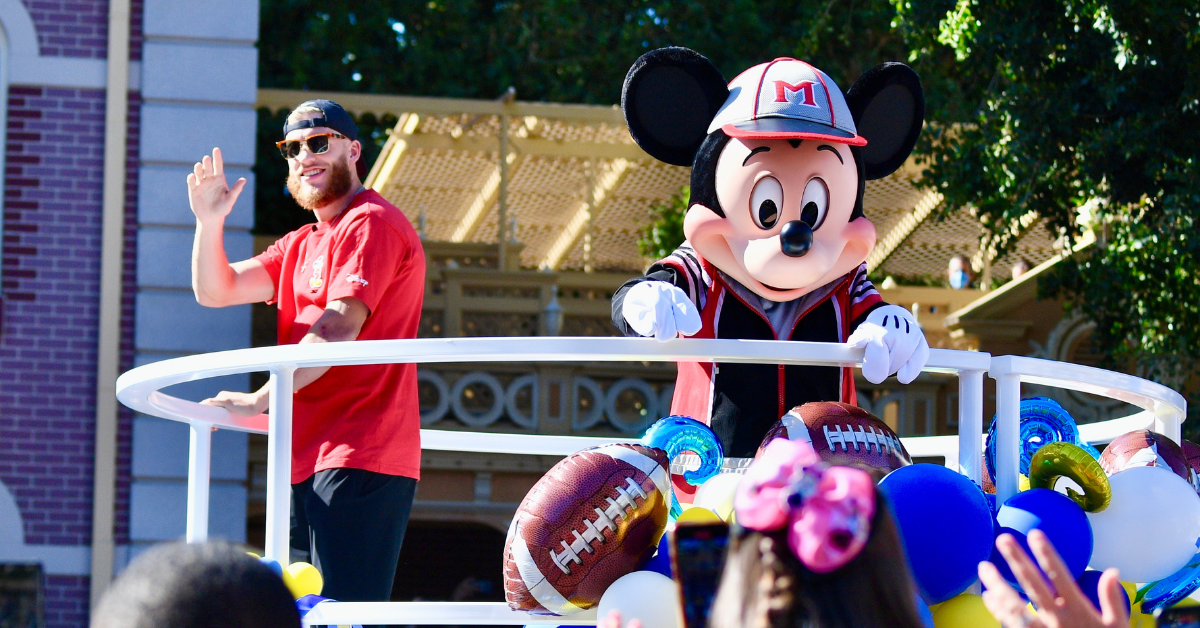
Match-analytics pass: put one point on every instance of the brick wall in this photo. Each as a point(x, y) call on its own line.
point(51, 256)
point(70, 28)
point(51, 260)
point(128, 293)
point(79, 28)
point(66, 602)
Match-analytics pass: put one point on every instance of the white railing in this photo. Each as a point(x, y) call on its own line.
point(139, 389)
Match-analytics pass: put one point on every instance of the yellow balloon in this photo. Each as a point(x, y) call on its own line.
point(1023, 483)
point(964, 611)
point(303, 579)
point(1056, 460)
point(1137, 619)
point(698, 514)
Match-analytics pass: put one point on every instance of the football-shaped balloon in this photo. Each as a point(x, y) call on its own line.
point(842, 434)
point(595, 516)
point(1143, 448)
point(1191, 453)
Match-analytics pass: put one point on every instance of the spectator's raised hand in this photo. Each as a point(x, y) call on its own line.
point(208, 194)
point(1060, 603)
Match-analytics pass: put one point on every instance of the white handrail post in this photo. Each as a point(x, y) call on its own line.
point(1008, 435)
point(199, 466)
point(279, 464)
point(970, 424)
point(1169, 425)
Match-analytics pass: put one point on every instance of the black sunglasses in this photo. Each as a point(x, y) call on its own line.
point(316, 144)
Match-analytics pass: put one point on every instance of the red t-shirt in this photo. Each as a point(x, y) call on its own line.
point(358, 417)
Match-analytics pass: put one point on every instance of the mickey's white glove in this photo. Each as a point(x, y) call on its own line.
point(894, 344)
point(659, 309)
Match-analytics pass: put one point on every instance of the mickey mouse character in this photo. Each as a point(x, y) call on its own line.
point(776, 236)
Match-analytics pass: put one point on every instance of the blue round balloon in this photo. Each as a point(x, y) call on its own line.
point(923, 612)
point(1171, 590)
point(274, 565)
point(678, 434)
point(1089, 583)
point(1055, 514)
point(1042, 421)
point(946, 526)
point(661, 561)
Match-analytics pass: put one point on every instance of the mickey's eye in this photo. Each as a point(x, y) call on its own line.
point(765, 201)
point(814, 204)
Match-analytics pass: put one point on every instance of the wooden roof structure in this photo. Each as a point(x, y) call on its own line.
point(574, 190)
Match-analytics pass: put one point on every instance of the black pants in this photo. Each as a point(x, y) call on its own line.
point(352, 522)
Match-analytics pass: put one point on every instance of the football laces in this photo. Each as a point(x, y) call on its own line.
point(593, 531)
point(860, 438)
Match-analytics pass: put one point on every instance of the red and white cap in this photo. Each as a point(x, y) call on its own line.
point(786, 99)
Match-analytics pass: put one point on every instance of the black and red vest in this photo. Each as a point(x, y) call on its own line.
point(740, 402)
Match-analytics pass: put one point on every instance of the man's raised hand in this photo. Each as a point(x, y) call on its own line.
point(208, 194)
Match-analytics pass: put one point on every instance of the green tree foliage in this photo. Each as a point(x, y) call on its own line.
point(665, 232)
point(550, 50)
point(553, 50)
point(1078, 101)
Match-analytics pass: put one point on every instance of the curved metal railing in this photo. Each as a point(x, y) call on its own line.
point(140, 389)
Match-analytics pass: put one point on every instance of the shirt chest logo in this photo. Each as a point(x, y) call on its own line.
point(315, 281)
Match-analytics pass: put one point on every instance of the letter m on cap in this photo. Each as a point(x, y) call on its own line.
point(804, 88)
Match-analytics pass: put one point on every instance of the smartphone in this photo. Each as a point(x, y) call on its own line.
point(697, 560)
point(1178, 617)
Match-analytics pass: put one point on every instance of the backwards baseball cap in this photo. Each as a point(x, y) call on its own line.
point(332, 117)
point(786, 99)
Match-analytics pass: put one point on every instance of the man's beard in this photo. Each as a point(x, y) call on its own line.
point(311, 198)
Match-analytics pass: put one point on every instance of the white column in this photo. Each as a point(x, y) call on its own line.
point(198, 86)
point(1008, 436)
point(199, 465)
point(279, 464)
point(970, 424)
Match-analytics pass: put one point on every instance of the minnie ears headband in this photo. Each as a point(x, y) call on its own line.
point(826, 510)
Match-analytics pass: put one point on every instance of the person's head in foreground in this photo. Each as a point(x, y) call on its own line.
point(197, 586)
point(323, 152)
point(815, 546)
point(1059, 601)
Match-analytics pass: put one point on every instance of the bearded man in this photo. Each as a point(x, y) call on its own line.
point(358, 273)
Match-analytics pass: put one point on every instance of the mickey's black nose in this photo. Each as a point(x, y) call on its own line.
point(795, 238)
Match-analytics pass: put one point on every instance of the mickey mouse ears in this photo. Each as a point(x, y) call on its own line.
point(888, 105)
point(669, 98)
point(672, 95)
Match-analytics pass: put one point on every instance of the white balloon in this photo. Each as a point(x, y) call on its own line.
point(717, 494)
point(647, 596)
point(1149, 530)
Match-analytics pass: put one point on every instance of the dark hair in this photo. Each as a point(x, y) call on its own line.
point(704, 175)
point(764, 585)
point(197, 586)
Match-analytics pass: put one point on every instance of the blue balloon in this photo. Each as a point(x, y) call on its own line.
point(1042, 421)
point(661, 561)
point(1089, 583)
point(307, 602)
point(678, 434)
point(1061, 519)
point(274, 565)
point(1171, 590)
point(946, 526)
point(923, 612)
